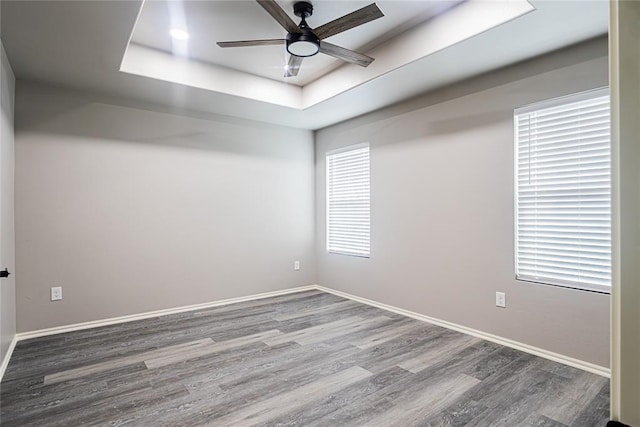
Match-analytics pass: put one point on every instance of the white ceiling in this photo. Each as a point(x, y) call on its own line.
point(85, 45)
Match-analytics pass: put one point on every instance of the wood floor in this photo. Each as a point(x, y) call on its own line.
point(307, 359)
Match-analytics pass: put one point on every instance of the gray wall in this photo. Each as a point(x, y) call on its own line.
point(132, 210)
point(442, 209)
point(7, 249)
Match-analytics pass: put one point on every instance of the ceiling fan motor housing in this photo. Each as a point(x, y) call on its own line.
point(305, 43)
point(303, 9)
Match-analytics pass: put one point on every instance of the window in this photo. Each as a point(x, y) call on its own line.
point(563, 192)
point(348, 206)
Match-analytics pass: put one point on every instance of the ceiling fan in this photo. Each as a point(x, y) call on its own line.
point(303, 41)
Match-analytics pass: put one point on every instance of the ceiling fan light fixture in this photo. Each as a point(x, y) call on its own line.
point(303, 44)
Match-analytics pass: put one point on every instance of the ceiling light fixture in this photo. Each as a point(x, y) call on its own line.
point(179, 34)
point(305, 43)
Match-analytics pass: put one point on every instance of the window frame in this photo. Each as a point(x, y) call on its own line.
point(550, 103)
point(328, 154)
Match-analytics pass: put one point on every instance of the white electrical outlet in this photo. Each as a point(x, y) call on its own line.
point(501, 299)
point(296, 265)
point(56, 293)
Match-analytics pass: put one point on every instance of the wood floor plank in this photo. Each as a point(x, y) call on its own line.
point(310, 358)
point(510, 381)
point(302, 322)
point(128, 360)
point(406, 348)
point(342, 331)
point(526, 396)
point(437, 352)
point(372, 340)
point(495, 363)
point(315, 310)
point(597, 411)
point(160, 359)
point(434, 397)
point(570, 399)
point(313, 331)
point(299, 369)
point(277, 405)
point(347, 396)
point(459, 413)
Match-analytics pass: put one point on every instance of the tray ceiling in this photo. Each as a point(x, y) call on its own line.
point(122, 48)
point(210, 21)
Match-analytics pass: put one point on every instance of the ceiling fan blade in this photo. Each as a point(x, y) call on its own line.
point(345, 54)
point(293, 66)
point(352, 20)
point(279, 15)
point(247, 43)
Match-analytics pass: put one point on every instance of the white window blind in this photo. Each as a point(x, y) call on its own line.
point(348, 202)
point(563, 192)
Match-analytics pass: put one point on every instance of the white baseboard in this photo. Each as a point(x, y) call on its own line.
point(150, 314)
point(7, 356)
point(556, 357)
